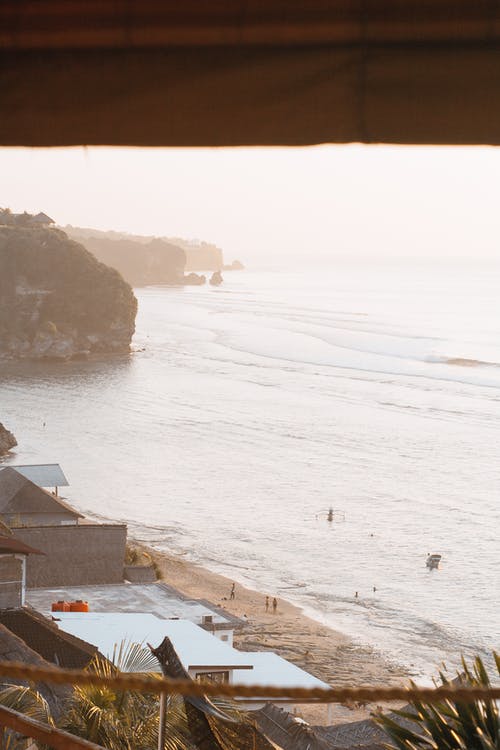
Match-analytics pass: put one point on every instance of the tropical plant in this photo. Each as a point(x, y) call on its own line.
point(124, 719)
point(27, 701)
point(449, 724)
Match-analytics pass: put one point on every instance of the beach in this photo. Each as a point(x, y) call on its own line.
point(327, 654)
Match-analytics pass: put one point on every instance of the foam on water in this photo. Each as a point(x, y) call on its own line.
point(250, 409)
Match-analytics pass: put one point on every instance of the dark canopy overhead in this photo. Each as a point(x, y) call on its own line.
point(253, 72)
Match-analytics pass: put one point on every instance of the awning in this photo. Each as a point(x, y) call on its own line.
point(227, 73)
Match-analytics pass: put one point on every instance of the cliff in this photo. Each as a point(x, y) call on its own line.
point(140, 263)
point(149, 260)
point(201, 256)
point(57, 300)
point(7, 440)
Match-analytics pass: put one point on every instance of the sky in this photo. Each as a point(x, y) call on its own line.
point(275, 204)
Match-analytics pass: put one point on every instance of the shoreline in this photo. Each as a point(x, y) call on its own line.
point(328, 654)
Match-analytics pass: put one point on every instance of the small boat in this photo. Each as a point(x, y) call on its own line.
point(433, 561)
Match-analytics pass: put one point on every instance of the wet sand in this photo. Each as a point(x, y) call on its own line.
point(325, 653)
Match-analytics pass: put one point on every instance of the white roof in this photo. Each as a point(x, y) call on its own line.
point(44, 475)
point(156, 598)
point(195, 647)
point(269, 669)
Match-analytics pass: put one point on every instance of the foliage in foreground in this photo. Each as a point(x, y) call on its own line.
point(27, 701)
point(449, 725)
point(124, 719)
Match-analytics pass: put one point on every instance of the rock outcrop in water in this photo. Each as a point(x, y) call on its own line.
point(7, 440)
point(58, 301)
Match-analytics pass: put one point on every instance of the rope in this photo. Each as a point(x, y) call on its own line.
point(189, 688)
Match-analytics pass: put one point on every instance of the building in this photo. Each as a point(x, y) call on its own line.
point(157, 598)
point(13, 554)
point(43, 636)
point(24, 503)
point(42, 220)
point(202, 656)
point(44, 475)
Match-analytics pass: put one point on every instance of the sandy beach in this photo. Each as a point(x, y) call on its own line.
point(329, 655)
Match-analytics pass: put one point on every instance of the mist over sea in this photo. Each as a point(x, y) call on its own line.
point(246, 411)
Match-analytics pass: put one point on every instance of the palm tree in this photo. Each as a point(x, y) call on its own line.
point(448, 725)
point(27, 701)
point(124, 720)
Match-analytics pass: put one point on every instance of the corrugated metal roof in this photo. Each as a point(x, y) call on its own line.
point(44, 475)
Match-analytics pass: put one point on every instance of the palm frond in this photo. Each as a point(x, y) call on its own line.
point(449, 724)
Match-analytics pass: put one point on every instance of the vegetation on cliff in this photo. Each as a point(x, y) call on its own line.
point(57, 300)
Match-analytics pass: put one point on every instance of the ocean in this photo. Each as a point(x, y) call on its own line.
point(246, 411)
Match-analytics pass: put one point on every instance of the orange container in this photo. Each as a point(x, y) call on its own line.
point(60, 606)
point(79, 606)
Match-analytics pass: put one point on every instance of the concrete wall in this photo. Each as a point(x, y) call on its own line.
point(11, 576)
point(74, 555)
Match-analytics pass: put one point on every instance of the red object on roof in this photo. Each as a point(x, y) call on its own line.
point(9, 545)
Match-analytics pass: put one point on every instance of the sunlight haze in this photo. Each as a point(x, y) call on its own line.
point(271, 205)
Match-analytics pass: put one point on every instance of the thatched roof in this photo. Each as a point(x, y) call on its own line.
point(287, 731)
point(46, 639)
point(285, 72)
point(12, 648)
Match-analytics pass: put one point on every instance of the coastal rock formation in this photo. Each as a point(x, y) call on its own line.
point(140, 263)
point(201, 256)
point(7, 440)
point(56, 300)
point(194, 279)
point(236, 265)
point(216, 278)
point(151, 260)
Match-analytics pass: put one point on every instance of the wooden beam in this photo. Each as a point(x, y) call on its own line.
point(51, 736)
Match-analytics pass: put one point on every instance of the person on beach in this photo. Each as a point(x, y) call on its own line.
point(267, 604)
point(275, 605)
point(232, 594)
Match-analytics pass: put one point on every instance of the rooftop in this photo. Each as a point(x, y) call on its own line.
point(11, 546)
point(20, 495)
point(157, 598)
point(196, 648)
point(46, 639)
point(271, 669)
point(44, 475)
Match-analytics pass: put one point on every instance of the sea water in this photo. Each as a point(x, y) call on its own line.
point(246, 411)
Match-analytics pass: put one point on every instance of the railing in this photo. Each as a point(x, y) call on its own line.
point(43, 733)
point(60, 740)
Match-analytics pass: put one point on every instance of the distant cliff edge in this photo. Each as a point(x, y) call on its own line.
point(140, 263)
point(152, 260)
point(58, 301)
point(7, 440)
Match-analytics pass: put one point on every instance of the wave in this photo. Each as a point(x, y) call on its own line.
point(461, 361)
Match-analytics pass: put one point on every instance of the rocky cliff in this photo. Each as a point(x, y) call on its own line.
point(7, 440)
point(57, 300)
point(149, 260)
point(140, 263)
